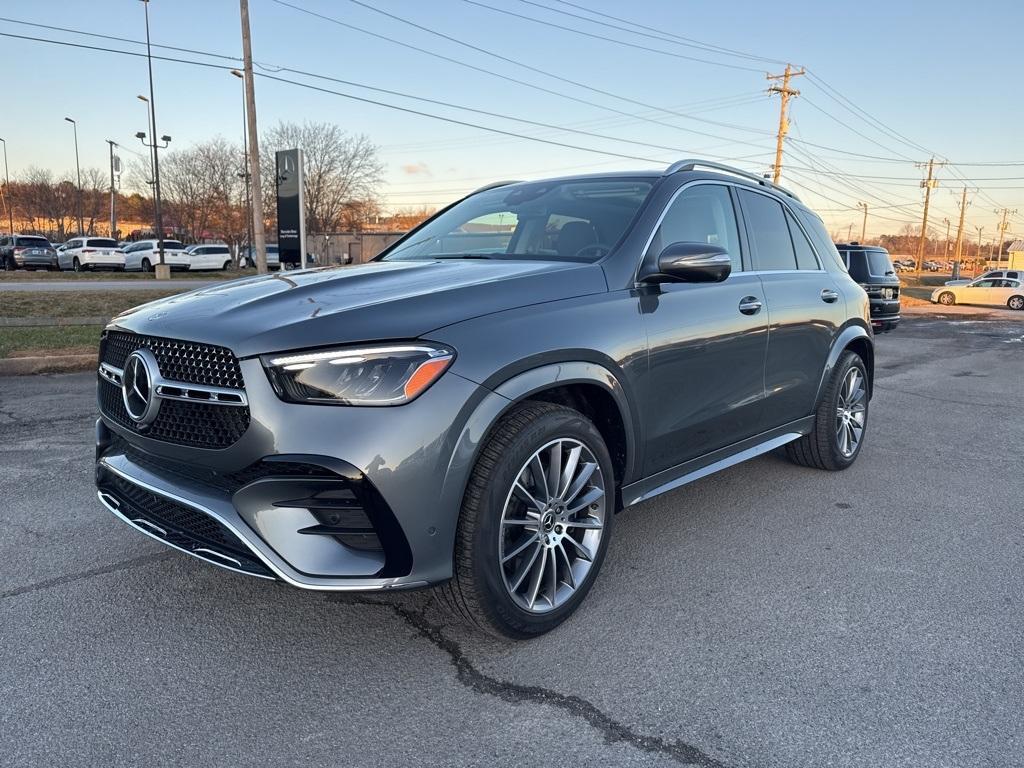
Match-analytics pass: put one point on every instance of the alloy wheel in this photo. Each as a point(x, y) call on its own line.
point(1016, 302)
point(851, 412)
point(551, 525)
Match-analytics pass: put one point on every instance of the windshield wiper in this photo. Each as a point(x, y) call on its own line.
point(461, 256)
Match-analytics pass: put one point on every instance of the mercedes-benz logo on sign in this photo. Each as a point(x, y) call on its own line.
point(137, 385)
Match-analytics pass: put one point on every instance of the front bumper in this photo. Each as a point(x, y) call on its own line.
point(412, 463)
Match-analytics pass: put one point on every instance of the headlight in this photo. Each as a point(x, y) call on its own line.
point(376, 375)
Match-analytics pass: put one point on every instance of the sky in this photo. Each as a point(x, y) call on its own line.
point(893, 80)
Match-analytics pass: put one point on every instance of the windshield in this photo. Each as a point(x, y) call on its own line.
point(33, 242)
point(579, 220)
point(878, 263)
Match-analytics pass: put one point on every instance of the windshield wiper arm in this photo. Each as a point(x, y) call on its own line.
point(462, 256)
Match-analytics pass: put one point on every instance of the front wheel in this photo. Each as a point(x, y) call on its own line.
point(147, 265)
point(1016, 302)
point(535, 522)
point(947, 298)
point(840, 422)
point(76, 265)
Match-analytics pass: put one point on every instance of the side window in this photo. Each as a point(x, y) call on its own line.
point(702, 213)
point(769, 233)
point(805, 258)
point(1013, 275)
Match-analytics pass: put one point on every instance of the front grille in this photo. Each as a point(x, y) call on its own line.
point(198, 425)
point(183, 361)
point(184, 526)
point(193, 424)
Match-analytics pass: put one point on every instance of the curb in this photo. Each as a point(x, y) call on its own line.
point(29, 366)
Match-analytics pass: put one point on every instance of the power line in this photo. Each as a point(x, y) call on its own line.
point(611, 39)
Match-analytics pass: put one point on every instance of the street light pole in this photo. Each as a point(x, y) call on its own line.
point(254, 143)
point(7, 197)
point(163, 272)
point(149, 129)
point(245, 170)
point(78, 171)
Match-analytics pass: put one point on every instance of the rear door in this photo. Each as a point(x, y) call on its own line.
point(805, 308)
point(706, 341)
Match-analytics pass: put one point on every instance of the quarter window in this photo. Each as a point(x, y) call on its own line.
point(805, 258)
point(769, 233)
point(701, 214)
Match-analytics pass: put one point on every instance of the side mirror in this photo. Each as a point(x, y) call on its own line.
point(688, 262)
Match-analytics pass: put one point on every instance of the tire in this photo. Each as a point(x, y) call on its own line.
point(947, 298)
point(480, 590)
point(76, 265)
point(227, 266)
point(823, 447)
point(147, 265)
point(1016, 303)
point(9, 265)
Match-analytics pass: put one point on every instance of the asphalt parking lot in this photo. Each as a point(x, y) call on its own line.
point(766, 616)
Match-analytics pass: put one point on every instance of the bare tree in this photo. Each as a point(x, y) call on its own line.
point(342, 173)
point(202, 189)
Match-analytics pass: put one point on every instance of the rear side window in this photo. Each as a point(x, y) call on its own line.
point(102, 242)
point(701, 214)
point(769, 232)
point(819, 236)
point(217, 249)
point(174, 245)
point(1013, 275)
point(74, 244)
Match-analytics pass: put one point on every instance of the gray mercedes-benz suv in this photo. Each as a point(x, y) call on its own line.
point(473, 407)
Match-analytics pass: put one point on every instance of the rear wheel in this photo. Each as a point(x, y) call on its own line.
point(535, 522)
point(1016, 302)
point(840, 423)
point(227, 266)
point(947, 298)
point(9, 265)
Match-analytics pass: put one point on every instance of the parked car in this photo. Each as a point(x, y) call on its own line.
point(273, 257)
point(930, 266)
point(989, 291)
point(209, 256)
point(472, 408)
point(871, 268)
point(1010, 274)
point(27, 252)
point(142, 255)
point(899, 266)
point(90, 253)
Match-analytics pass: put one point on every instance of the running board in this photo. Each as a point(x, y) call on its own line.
point(683, 474)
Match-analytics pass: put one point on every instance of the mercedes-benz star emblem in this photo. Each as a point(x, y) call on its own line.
point(137, 385)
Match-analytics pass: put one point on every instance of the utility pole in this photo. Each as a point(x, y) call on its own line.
point(947, 222)
point(960, 227)
point(113, 193)
point(864, 223)
point(978, 256)
point(254, 144)
point(7, 196)
point(163, 272)
point(1001, 234)
point(785, 92)
point(928, 185)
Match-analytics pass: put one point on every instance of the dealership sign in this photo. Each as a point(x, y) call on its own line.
point(291, 208)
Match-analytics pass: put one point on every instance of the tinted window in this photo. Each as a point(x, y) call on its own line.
point(173, 245)
point(1013, 275)
point(102, 242)
point(819, 236)
point(513, 222)
point(701, 214)
point(805, 258)
point(74, 244)
point(33, 242)
point(217, 249)
point(878, 263)
point(769, 233)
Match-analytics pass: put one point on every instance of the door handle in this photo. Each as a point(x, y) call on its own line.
point(750, 305)
point(829, 296)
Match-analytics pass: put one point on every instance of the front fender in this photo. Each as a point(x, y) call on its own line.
point(518, 388)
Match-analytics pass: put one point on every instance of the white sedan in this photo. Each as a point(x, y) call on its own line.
point(990, 291)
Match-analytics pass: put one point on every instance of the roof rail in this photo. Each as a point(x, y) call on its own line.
point(691, 164)
point(494, 185)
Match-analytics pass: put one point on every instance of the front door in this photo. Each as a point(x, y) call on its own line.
point(706, 341)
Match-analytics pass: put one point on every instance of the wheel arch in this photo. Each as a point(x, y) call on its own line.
point(856, 339)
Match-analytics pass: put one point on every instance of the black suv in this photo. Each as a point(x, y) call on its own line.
point(473, 407)
point(27, 252)
point(870, 266)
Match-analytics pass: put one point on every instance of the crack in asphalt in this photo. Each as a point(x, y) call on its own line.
point(471, 677)
point(92, 572)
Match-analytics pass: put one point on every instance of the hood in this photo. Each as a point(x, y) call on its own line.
point(338, 305)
